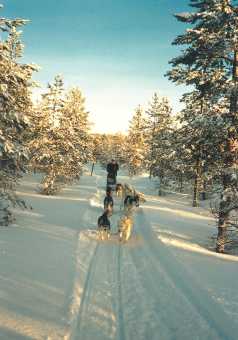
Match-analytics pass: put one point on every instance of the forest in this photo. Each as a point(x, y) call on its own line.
point(194, 150)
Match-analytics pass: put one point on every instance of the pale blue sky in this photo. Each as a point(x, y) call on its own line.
point(116, 51)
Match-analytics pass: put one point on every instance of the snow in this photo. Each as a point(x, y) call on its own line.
point(57, 281)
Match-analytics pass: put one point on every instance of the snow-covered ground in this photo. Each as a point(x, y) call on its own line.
point(58, 282)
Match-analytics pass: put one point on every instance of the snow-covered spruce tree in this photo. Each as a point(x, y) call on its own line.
point(103, 149)
point(197, 142)
point(158, 137)
point(118, 148)
point(109, 146)
point(48, 145)
point(97, 141)
point(210, 62)
point(15, 108)
point(135, 145)
point(80, 147)
point(180, 167)
point(61, 145)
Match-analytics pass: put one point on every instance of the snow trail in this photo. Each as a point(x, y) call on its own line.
point(81, 288)
point(216, 325)
point(121, 323)
point(86, 270)
point(152, 295)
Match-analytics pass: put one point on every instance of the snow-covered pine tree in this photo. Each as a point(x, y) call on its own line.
point(102, 148)
point(135, 145)
point(61, 145)
point(48, 145)
point(197, 142)
point(118, 148)
point(180, 169)
point(15, 108)
point(109, 146)
point(210, 62)
point(80, 150)
point(158, 137)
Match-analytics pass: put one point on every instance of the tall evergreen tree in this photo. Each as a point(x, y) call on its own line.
point(198, 141)
point(61, 145)
point(136, 146)
point(210, 63)
point(158, 135)
point(48, 145)
point(15, 108)
point(77, 118)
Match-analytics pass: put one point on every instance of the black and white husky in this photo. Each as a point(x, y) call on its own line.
point(104, 226)
point(108, 204)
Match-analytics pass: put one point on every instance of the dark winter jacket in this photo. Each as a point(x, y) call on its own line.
point(108, 202)
point(103, 221)
point(112, 169)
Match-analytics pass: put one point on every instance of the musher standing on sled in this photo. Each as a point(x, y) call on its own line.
point(112, 169)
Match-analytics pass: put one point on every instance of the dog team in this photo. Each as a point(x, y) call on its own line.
point(130, 198)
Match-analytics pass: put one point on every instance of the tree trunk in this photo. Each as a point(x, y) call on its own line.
point(222, 226)
point(203, 192)
point(5, 214)
point(92, 169)
point(160, 191)
point(181, 182)
point(223, 215)
point(196, 184)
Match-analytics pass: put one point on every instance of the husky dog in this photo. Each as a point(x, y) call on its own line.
point(108, 201)
point(127, 190)
point(104, 225)
point(133, 200)
point(125, 226)
point(130, 201)
point(119, 190)
point(141, 197)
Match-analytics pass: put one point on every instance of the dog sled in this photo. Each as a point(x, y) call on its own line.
point(111, 182)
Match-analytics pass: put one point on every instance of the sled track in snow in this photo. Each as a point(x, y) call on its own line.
point(86, 292)
point(206, 307)
point(87, 295)
point(121, 327)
